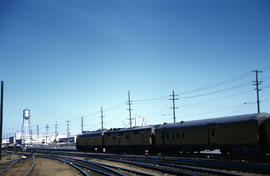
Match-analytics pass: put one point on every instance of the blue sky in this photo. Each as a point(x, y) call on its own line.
point(65, 59)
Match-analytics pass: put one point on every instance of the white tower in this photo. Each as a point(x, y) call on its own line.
point(26, 128)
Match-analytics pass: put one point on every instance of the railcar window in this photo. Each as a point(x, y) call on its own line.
point(127, 136)
point(173, 135)
point(177, 135)
point(113, 137)
point(167, 135)
point(183, 134)
point(213, 133)
point(141, 135)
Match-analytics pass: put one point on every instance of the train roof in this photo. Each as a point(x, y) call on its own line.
point(212, 121)
point(90, 133)
point(144, 128)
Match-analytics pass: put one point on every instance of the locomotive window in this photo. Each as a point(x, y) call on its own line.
point(183, 135)
point(213, 133)
point(177, 135)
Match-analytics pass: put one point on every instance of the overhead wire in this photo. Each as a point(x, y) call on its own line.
point(227, 81)
point(215, 92)
point(216, 99)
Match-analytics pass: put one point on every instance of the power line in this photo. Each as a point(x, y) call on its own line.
point(235, 78)
point(151, 99)
point(215, 92)
point(216, 99)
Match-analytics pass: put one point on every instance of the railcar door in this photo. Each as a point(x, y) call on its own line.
point(163, 137)
point(211, 136)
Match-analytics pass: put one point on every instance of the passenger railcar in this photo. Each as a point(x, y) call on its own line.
point(229, 134)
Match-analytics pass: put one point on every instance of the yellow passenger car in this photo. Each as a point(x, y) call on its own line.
point(229, 134)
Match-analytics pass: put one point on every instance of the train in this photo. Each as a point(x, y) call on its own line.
point(240, 134)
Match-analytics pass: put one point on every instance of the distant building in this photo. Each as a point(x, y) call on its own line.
point(41, 139)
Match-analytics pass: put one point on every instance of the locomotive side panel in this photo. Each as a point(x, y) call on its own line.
point(128, 140)
point(89, 142)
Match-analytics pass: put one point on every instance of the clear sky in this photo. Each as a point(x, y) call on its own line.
point(65, 59)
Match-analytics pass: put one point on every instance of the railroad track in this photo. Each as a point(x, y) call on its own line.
point(21, 166)
point(87, 167)
point(176, 165)
point(106, 169)
point(191, 164)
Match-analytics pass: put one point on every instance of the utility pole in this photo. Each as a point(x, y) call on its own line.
point(37, 133)
point(68, 127)
point(82, 123)
point(1, 118)
point(55, 132)
point(102, 116)
point(129, 109)
point(173, 99)
point(47, 128)
point(257, 83)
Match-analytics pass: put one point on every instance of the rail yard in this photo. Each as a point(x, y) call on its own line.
point(55, 162)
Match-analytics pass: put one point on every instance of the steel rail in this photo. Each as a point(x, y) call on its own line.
point(32, 166)
point(73, 165)
point(78, 164)
point(117, 167)
point(12, 164)
point(194, 169)
point(157, 168)
point(238, 166)
point(98, 165)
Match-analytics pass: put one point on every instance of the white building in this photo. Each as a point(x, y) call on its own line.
point(41, 139)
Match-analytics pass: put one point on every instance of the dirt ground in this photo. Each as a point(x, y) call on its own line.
point(47, 167)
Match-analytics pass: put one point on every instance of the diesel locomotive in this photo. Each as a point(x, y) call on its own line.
point(249, 133)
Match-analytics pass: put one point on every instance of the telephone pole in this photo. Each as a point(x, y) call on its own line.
point(257, 83)
point(47, 128)
point(1, 118)
point(102, 116)
point(55, 132)
point(129, 109)
point(173, 99)
point(37, 133)
point(68, 127)
point(82, 123)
